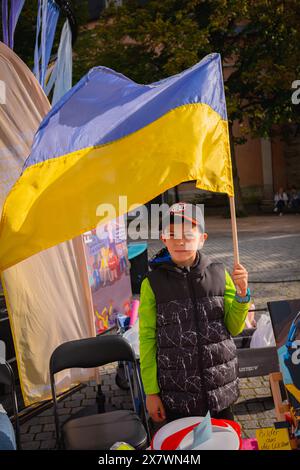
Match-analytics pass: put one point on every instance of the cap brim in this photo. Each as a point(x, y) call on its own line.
point(177, 219)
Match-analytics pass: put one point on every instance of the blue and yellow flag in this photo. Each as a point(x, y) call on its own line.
point(109, 136)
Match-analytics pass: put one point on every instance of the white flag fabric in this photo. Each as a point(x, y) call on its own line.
point(45, 294)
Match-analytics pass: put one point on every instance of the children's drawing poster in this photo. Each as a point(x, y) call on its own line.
point(285, 317)
point(108, 270)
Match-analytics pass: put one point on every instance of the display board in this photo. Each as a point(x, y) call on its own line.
point(108, 269)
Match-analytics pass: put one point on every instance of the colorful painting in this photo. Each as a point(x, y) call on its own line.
point(109, 272)
point(285, 316)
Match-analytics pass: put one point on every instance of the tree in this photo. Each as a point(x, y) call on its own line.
point(258, 39)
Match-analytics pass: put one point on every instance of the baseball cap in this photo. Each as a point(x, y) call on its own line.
point(181, 212)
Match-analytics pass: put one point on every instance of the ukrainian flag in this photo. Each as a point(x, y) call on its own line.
point(109, 136)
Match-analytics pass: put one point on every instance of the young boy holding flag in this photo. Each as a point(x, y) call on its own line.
point(189, 309)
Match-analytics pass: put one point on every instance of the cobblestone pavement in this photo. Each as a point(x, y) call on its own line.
point(270, 249)
point(254, 409)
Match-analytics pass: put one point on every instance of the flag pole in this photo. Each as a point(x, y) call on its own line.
point(234, 231)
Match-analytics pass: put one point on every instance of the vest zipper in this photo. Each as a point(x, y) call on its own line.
point(193, 297)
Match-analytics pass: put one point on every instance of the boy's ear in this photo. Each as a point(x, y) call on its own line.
point(205, 236)
point(163, 238)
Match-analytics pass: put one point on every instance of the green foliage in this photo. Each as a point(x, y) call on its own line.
point(259, 41)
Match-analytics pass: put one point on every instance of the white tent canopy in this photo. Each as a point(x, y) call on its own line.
point(46, 297)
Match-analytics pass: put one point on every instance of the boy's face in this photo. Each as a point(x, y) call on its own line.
point(183, 242)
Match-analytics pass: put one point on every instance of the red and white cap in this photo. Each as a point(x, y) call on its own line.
point(181, 211)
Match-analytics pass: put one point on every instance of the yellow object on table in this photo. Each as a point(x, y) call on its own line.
point(273, 439)
point(121, 446)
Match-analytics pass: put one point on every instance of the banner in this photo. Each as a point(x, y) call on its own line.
point(108, 270)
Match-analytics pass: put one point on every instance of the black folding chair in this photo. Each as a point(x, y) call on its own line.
point(7, 378)
point(98, 431)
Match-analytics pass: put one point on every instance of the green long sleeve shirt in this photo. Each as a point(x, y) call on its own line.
point(234, 319)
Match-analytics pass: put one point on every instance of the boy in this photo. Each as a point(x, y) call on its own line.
point(189, 308)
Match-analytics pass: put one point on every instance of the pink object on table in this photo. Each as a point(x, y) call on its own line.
point(134, 312)
point(249, 444)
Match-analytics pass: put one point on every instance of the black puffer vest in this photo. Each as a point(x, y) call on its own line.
point(196, 356)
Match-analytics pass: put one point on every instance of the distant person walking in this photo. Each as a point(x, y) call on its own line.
point(281, 201)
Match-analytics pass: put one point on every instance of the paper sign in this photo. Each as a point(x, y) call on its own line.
point(273, 439)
